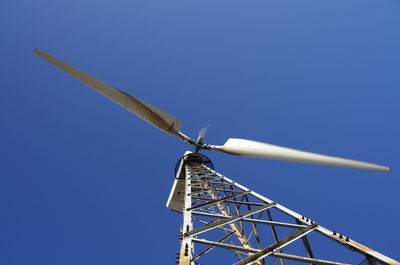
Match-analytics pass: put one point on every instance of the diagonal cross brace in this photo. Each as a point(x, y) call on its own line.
point(251, 220)
point(228, 220)
point(278, 255)
point(218, 200)
point(307, 259)
point(213, 246)
point(274, 247)
point(211, 188)
point(201, 182)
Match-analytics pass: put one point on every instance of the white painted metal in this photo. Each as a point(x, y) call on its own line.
point(181, 194)
point(353, 245)
point(276, 246)
point(175, 200)
point(147, 112)
point(187, 247)
point(171, 125)
point(255, 149)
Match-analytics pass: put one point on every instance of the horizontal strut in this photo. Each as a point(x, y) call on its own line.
point(227, 220)
point(307, 260)
point(211, 188)
point(278, 255)
point(218, 200)
point(276, 246)
point(256, 221)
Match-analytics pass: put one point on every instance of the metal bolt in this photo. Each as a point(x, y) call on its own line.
point(186, 250)
point(334, 233)
point(347, 239)
point(340, 236)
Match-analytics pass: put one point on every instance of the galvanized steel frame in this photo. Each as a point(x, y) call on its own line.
point(217, 203)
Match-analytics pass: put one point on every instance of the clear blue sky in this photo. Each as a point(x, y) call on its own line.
point(83, 181)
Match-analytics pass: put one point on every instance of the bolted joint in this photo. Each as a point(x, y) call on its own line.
point(186, 250)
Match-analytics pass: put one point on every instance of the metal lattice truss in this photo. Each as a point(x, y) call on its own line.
point(220, 214)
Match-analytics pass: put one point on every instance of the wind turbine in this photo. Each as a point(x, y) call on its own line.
point(199, 191)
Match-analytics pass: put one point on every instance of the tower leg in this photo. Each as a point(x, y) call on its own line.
point(219, 213)
point(186, 251)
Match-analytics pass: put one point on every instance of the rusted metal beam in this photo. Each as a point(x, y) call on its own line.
point(274, 247)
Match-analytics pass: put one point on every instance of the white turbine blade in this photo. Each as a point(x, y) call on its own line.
point(153, 115)
point(242, 147)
